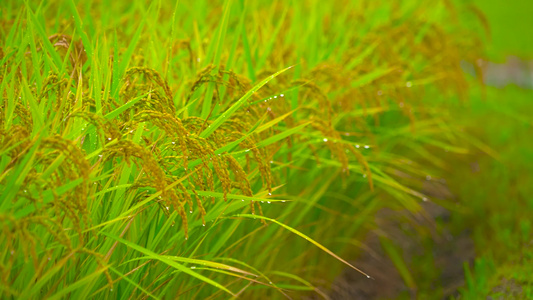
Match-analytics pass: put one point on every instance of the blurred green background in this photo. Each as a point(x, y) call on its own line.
point(511, 24)
point(499, 195)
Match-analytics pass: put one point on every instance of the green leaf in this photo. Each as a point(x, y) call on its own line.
point(79, 27)
point(306, 238)
point(369, 77)
point(230, 111)
point(164, 259)
point(281, 135)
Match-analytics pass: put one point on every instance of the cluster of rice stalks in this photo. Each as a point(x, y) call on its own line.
point(125, 169)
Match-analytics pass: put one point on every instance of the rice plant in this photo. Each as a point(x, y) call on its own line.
point(215, 149)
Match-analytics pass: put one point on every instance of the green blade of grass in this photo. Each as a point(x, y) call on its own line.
point(200, 262)
point(273, 39)
point(398, 261)
point(229, 112)
point(132, 283)
point(44, 37)
point(273, 122)
point(38, 282)
point(247, 52)
point(234, 196)
point(281, 135)
point(113, 114)
point(79, 27)
point(76, 285)
point(18, 176)
point(36, 113)
point(126, 57)
point(168, 262)
point(369, 77)
point(305, 237)
point(307, 285)
point(206, 105)
point(48, 196)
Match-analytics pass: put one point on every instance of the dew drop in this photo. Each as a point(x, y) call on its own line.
point(111, 290)
point(425, 199)
point(270, 194)
point(408, 84)
point(281, 95)
point(268, 202)
point(49, 258)
point(108, 139)
point(364, 175)
point(168, 208)
point(325, 140)
point(380, 92)
point(275, 97)
point(173, 143)
point(367, 276)
point(357, 146)
point(193, 267)
point(190, 211)
point(203, 225)
point(262, 201)
point(428, 177)
point(366, 146)
point(283, 201)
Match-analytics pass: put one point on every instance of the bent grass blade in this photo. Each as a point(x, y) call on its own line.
point(306, 238)
point(230, 111)
point(164, 259)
